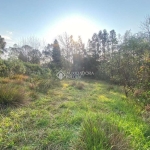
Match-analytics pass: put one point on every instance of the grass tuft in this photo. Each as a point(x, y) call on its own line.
point(98, 133)
point(78, 85)
point(12, 95)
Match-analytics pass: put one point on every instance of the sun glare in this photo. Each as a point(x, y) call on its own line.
point(76, 26)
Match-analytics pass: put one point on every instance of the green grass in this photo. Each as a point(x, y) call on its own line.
point(86, 115)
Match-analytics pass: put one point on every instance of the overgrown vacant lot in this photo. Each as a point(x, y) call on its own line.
point(79, 115)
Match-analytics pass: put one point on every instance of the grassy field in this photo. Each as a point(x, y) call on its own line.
point(79, 115)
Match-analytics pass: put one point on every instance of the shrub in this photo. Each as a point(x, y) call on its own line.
point(12, 95)
point(45, 85)
point(144, 79)
point(142, 96)
point(15, 67)
point(33, 68)
point(11, 67)
point(3, 68)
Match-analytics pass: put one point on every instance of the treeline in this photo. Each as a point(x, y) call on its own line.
point(122, 60)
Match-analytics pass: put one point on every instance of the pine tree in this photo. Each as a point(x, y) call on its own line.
point(56, 54)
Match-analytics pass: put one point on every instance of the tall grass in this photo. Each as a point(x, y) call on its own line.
point(12, 95)
point(19, 77)
point(78, 85)
point(98, 133)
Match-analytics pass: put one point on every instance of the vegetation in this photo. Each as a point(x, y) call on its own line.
point(12, 95)
point(2, 43)
point(108, 109)
point(69, 118)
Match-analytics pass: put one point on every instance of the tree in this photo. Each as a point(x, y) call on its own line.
point(56, 54)
point(112, 40)
point(145, 26)
point(46, 56)
point(72, 50)
point(33, 42)
point(69, 46)
point(104, 42)
point(2, 43)
point(34, 56)
point(24, 53)
point(65, 41)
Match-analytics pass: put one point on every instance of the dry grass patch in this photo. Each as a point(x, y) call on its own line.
point(5, 80)
point(12, 95)
point(19, 77)
point(78, 85)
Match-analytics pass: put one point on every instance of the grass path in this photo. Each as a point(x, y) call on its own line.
point(57, 120)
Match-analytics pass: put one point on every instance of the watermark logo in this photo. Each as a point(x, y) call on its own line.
point(60, 75)
point(73, 75)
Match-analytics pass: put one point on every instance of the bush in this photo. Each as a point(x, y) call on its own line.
point(144, 80)
point(12, 95)
point(16, 66)
point(3, 68)
point(33, 68)
point(44, 85)
point(11, 67)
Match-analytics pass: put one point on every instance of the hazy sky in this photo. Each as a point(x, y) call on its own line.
point(49, 18)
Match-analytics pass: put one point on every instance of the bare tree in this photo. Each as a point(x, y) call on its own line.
point(65, 43)
point(33, 42)
point(70, 47)
point(145, 26)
